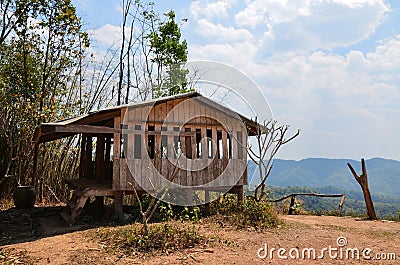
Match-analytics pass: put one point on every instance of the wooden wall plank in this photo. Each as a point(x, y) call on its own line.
point(183, 161)
point(146, 116)
point(131, 113)
point(123, 174)
point(224, 144)
point(138, 173)
point(214, 171)
point(204, 159)
point(162, 112)
point(116, 155)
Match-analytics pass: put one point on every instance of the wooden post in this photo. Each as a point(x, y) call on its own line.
point(240, 193)
point(107, 155)
point(207, 200)
point(118, 202)
point(100, 169)
point(99, 204)
point(34, 170)
point(341, 204)
point(363, 181)
point(88, 157)
point(189, 196)
point(41, 184)
point(207, 196)
point(82, 161)
point(116, 155)
point(291, 207)
point(107, 158)
point(100, 157)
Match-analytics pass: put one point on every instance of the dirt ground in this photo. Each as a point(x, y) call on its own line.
point(38, 236)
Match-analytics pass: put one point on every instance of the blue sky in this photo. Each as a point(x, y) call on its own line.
point(328, 67)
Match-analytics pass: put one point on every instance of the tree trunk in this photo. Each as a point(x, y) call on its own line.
point(363, 181)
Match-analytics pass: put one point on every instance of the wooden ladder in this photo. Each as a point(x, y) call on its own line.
point(75, 205)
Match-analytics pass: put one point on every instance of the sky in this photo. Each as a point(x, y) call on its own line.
point(330, 68)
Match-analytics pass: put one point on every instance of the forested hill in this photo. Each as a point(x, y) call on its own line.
point(383, 174)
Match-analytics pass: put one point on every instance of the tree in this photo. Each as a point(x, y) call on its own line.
point(169, 52)
point(270, 139)
point(19, 82)
point(151, 54)
point(40, 47)
point(13, 13)
point(363, 181)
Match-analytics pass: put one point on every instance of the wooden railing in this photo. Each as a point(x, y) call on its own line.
point(293, 197)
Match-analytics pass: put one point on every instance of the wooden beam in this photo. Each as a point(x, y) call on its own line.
point(80, 129)
point(307, 194)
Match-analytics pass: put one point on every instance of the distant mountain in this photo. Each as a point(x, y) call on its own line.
point(383, 174)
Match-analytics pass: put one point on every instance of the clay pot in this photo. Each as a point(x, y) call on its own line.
point(24, 196)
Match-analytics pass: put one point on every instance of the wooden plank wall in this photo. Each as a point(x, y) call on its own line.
point(187, 114)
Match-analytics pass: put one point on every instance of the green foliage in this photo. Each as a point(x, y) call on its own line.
point(161, 237)
point(166, 43)
point(249, 213)
point(257, 214)
point(190, 213)
point(225, 205)
point(170, 52)
point(39, 49)
point(297, 207)
point(166, 212)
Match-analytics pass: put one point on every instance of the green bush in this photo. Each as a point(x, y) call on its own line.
point(190, 213)
point(248, 213)
point(162, 237)
point(166, 212)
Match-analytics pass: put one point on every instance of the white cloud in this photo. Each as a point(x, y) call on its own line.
point(119, 9)
point(208, 29)
point(387, 54)
point(357, 3)
point(295, 25)
point(272, 11)
point(210, 9)
point(251, 16)
point(233, 54)
point(108, 34)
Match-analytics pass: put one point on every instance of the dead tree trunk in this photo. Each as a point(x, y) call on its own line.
point(363, 181)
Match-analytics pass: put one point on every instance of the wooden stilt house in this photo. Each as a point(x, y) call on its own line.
point(186, 142)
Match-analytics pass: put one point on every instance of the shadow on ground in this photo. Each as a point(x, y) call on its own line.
point(24, 225)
